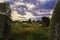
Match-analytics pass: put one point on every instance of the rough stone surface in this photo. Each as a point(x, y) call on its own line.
point(54, 33)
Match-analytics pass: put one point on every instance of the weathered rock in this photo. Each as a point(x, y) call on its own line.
point(5, 21)
point(5, 26)
point(54, 33)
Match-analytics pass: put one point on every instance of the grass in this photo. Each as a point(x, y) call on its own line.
point(29, 32)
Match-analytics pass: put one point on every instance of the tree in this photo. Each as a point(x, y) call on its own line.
point(45, 21)
point(33, 21)
point(5, 20)
point(29, 21)
point(54, 33)
point(38, 21)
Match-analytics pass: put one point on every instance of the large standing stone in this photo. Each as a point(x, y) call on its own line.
point(5, 21)
point(54, 33)
point(5, 26)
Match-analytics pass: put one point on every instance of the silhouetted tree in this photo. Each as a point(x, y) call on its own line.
point(45, 21)
point(38, 21)
point(33, 21)
point(5, 20)
point(54, 33)
point(29, 21)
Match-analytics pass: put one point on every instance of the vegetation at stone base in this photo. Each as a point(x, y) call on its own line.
point(29, 33)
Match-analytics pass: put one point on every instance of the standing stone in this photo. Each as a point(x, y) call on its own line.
point(54, 33)
point(5, 24)
point(5, 21)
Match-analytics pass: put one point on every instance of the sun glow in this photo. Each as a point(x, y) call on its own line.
point(1, 0)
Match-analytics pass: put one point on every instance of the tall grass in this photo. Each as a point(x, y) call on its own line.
point(36, 34)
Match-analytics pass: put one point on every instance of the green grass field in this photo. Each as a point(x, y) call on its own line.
point(26, 31)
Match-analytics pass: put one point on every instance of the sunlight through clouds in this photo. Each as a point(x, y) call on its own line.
point(16, 16)
point(1, 0)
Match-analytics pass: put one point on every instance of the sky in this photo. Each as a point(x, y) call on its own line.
point(34, 9)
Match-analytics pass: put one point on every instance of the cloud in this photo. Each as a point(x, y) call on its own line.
point(21, 0)
point(1, 1)
point(42, 1)
point(19, 3)
point(28, 15)
point(41, 12)
point(25, 9)
point(16, 16)
point(30, 6)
